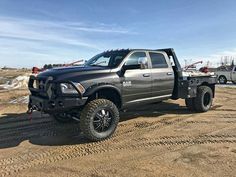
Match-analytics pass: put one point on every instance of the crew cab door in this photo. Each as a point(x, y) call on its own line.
point(136, 82)
point(233, 74)
point(162, 75)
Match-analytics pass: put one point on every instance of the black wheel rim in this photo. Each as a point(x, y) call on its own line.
point(222, 80)
point(102, 120)
point(206, 99)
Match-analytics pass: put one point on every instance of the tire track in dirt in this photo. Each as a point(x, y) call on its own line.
point(69, 152)
point(15, 164)
point(126, 128)
point(26, 130)
point(27, 127)
point(30, 126)
point(38, 127)
point(20, 126)
point(44, 130)
point(8, 134)
point(48, 125)
point(22, 119)
point(161, 124)
point(72, 152)
point(47, 128)
point(49, 133)
point(51, 124)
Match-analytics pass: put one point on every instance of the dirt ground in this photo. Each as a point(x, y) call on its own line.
point(155, 140)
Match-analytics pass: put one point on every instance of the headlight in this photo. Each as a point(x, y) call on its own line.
point(67, 88)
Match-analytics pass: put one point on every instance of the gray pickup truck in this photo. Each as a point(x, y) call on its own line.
point(227, 75)
point(114, 80)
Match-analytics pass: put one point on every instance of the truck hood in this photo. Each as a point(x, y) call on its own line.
point(68, 73)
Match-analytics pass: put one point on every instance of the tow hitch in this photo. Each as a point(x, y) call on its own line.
point(30, 110)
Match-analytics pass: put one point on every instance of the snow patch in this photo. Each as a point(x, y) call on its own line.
point(18, 82)
point(20, 100)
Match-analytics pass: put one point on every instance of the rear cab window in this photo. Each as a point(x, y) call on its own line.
point(158, 60)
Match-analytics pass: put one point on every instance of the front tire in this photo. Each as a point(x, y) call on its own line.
point(203, 100)
point(99, 119)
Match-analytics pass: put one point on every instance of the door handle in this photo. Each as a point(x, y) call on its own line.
point(146, 75)
point(169, 74)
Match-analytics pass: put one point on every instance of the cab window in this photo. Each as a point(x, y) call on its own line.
point(158, 60)
point(134, 58)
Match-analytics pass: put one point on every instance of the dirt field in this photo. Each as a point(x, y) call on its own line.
point(156, 140)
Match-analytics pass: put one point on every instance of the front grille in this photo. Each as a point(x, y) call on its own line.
point(40, 86)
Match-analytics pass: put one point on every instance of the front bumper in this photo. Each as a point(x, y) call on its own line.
point(46, 96)
point(55, 105)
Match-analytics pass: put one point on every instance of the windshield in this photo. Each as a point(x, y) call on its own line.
point(109, 59)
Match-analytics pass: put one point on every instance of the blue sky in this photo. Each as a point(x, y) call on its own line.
point(35, 32)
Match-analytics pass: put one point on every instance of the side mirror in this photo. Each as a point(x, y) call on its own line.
point(143, 61)
point(142, 64)
point(128, 67)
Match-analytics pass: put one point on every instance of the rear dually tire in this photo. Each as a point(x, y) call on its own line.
point(203, 101)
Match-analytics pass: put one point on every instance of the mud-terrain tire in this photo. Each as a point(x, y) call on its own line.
point(62, 117)
point(99, 119)
point(222, 80)
point(189, 102)
point(203, 100)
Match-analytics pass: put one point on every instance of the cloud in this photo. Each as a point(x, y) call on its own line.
point(37, 31)
point(20, 24)
point(50, 40)
point(62, 32)
point(101, 30)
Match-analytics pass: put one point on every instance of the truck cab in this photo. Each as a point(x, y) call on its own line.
point(152, 80)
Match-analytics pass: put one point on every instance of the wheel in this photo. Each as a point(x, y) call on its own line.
point(99, 119)
point(234, 82)
point(203, 101)
point(62, 117)
point(189, 103)
point(222, 80)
